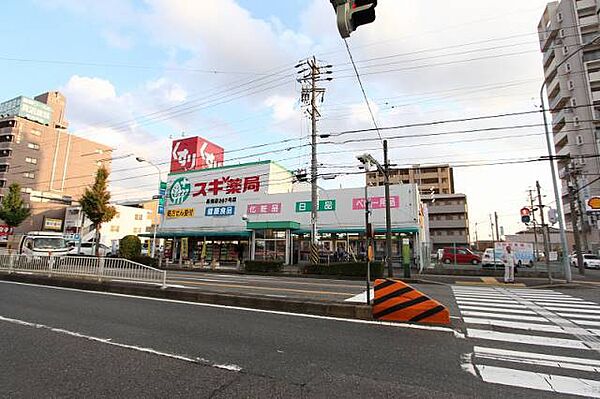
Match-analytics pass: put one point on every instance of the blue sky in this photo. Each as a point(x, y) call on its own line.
point(150, 54)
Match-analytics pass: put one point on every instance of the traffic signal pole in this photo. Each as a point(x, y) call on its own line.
point(545, 231)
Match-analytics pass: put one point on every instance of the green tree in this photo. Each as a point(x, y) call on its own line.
point(130, 247)
point(95, 203)
point(13, 209)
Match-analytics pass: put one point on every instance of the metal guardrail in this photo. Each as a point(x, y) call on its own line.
point(104, 269)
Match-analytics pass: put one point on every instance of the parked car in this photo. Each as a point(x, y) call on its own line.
point(489, 259)
point(87, 249)
point(40, 243)
point(590, 261)
point(459, 255)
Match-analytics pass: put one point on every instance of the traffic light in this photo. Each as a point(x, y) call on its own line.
point(525, 218)
point(353, 13)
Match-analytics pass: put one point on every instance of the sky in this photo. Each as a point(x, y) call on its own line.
point(137, 73)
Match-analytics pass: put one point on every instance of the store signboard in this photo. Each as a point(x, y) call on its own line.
point(263, 209)
point(592, 205)
point(193, 153)
point(53, 224)
point(358, 204)
point(27, 108)
point(324, 206)
point(219, 211)
point(181, 213)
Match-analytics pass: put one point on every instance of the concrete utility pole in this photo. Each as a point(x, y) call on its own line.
point(309, 76)
point(388, 214)
point(535, 242)
point(367, 238)
point(581, 210)
point(497, 227)
point(493, 239)
point(574, 217)
point(545, 230)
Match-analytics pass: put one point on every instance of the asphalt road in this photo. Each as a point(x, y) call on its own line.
point(66, 343)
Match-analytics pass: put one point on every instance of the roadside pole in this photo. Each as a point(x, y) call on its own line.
point(388, 213)
point(545, 236)
point(367, 238)
point(574, 219)
point(535, 241)
point(493, 240)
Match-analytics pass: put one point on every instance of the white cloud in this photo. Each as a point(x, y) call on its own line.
point(118, 40)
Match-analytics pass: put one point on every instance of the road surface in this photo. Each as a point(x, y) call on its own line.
point(68, 343)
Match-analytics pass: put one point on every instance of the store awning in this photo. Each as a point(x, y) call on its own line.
point(360, 230)
point(216, 234)
point(283, 225)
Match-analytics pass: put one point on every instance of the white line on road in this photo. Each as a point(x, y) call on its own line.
point(579, 316)
point(503, 316)
point(575, 310)
point(490, 304)
point(525, 339)
point(538, 359)
point(515, 324)
point(109, 341)
point(500, 310)
point(539, 381)
point(457, 334)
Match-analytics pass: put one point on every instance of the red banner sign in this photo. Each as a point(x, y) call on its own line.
point(195, 153)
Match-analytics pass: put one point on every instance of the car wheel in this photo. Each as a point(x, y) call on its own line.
point(585, 265)
point(475, 262)
point(446, 261)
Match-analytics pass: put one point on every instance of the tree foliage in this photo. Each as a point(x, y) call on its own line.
point(13, 209)
point(130, 247)
point(95, 202)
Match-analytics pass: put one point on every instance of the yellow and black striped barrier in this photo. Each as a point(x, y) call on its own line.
point(314, 254)
point(398, 301)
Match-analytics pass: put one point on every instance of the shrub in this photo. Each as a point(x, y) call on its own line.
point(145, 260)
point(130, 247)
point(351, 269)
point(260, 266)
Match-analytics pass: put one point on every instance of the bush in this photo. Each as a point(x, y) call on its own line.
point(145, 260)
point(260, 266)
point(351, 269)
point(130, 247)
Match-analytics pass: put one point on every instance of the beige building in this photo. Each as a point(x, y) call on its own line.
point(573, 91)
point(52, 165)
point(448, 211)
point(436, 179)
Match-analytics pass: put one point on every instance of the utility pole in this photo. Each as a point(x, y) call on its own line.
point(388, 215)
point(535, 242)
point(493, 240)
point(574, 217)
point(309, 76)
point(580, 209)
point(497, 227)
point(545, 232)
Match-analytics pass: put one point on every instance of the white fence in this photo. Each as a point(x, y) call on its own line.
point(103, 269)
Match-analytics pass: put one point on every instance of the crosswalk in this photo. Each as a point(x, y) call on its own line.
point(538, 339)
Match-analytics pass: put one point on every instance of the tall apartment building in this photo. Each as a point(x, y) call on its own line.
point(52, 165)
point(448, 211)
point(573, 91)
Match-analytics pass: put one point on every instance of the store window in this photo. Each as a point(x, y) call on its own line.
point(269, 245)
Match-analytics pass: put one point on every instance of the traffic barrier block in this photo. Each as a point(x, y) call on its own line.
point(398, 301)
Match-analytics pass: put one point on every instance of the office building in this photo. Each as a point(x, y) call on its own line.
point(434, 179)
point(52, 165)
point(573, 97)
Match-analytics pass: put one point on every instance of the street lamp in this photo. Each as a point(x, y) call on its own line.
point(142, 160)
point(557, 196)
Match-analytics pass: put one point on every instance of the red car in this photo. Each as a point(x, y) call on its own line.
point(462, 255)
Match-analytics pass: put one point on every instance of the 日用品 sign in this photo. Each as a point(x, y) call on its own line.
point(324, 205)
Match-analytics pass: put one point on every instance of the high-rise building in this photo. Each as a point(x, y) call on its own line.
point(573, 91)
point(448, 211)
point(52, 165)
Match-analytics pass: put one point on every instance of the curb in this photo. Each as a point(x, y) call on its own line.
point(320, 308)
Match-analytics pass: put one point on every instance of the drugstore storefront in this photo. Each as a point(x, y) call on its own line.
point(251, 211)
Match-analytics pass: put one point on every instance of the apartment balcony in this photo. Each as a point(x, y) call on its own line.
point(448, 224)
point(549, 37)
point(586, 4)
point(548, 57)
point(560, 99)
point(559, 118)
point(596, 96)
point(563, 152)
point(443, 209)
point(560, 136)
point(594, 77)
point(588, 22)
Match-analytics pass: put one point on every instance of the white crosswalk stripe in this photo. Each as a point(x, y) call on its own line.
point(544, 340)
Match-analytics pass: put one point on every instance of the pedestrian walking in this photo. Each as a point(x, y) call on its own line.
point(509, 261)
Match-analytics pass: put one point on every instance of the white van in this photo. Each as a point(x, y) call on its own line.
point(42, 243)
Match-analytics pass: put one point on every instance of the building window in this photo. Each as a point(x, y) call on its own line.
point(576, 121)
point(139, 216)
point(114, 229)
point(2, 183)
point(137, 230)
point(568, 67)
point(573, 102)
point(149, 229)
point(269, 245)
point(36, 132)
point(582, 160)
point(571, 85)
point(31, 160)
point(5, 153)
point(563, 33)
point(33, 146)
point(565, 50)
point(6, 138)
point(579, 140)
point(29, 175)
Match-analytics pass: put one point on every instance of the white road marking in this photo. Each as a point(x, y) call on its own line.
point(109, 341)
point(361, 298)
point(538, 359)
point(457, 334)
point(525, 339)
point(501, 310)
point(503, 316)
point(515, 324)
point(484, 301)
point(576, 310)
point(579, 316)
point(567, 304)
point(462, 303)
point(539, 381)
point(587, 323)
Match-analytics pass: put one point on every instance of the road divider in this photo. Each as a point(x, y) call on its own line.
point(398, 301)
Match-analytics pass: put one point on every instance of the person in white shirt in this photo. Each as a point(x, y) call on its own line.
point(509, 261)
